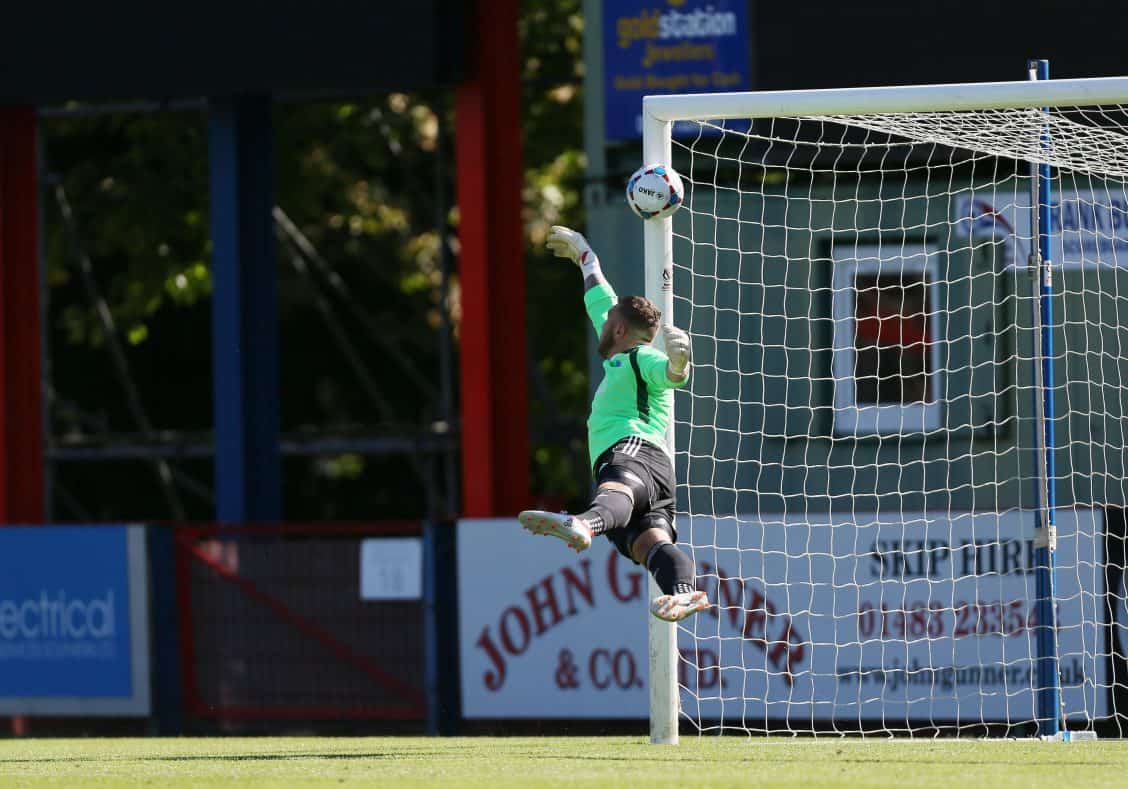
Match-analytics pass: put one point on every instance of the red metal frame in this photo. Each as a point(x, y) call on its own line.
point(494, 379)
point(381, 529)
point(21, 410)
point(306, 713)
point(187, 631)
point(188, 551)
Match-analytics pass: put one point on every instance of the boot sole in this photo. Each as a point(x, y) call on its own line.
point(698, 603)
point(552, 525)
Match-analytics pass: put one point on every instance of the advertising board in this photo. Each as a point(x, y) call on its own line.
point(74, 636)
point(547, 634)
point(1087, 227)
point(918, 616)
point(670, 46)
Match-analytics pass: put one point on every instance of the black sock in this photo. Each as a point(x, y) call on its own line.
point(611, 509)
point(671, 568)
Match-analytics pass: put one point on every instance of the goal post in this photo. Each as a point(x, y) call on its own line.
point(661, 636)
point(866, 456)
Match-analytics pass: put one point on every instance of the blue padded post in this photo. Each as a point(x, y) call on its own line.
point(244, 312)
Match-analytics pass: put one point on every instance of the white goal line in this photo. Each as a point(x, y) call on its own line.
point(901, 98)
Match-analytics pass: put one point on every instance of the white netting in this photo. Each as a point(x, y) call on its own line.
point(858, 449)
point(1014, 134)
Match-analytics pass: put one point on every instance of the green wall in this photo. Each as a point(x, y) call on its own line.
point(753, 284)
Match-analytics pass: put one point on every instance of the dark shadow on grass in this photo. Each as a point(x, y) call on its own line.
point(279, 757)
point(231, 757)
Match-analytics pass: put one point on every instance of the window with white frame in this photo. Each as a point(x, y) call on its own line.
point(886, 331)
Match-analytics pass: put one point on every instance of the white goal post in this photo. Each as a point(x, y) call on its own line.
point(868, 478)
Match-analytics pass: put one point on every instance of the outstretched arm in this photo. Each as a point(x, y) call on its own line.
point(599, 296)
point(567, 243)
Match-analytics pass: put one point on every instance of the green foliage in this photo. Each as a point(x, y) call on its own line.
point(359, 179)
point(135, 183)
point(552, 95)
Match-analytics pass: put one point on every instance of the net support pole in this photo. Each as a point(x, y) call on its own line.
point(1045, 538)
point(662, 636)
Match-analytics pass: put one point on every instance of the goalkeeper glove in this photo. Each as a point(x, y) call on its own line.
point(677, 351)
point(567, 243)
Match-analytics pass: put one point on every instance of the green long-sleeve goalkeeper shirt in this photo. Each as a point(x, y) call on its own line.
point(635, 397)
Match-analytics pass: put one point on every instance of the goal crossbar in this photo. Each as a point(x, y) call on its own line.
point(900, 98)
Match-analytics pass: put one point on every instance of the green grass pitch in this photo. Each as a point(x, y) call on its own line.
point(560, 761)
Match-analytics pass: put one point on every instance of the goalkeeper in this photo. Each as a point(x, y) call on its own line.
point(634, 501)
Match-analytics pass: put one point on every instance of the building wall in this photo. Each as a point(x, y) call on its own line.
point(753, 284)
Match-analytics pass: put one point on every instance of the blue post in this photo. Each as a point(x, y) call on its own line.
point(244, 312)
point(1045, 498)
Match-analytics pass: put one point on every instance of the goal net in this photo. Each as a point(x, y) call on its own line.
point(864, 484)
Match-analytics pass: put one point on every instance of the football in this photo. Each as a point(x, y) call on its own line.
point(655, 191)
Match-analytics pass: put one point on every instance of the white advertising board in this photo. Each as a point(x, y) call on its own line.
point(547, 633)
point(1087, 227)
point(913, 616)
point(922, 616)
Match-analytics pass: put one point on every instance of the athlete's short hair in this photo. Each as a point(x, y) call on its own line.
point(641, 314)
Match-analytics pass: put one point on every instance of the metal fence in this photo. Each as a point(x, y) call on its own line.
point(273, 626)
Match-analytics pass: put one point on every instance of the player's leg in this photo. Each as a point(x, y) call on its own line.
point(620, 493)
point(653, 547)
point(654, 542)
point(611, 508)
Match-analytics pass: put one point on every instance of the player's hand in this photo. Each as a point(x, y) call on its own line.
point(677, 350)
point(567, 243)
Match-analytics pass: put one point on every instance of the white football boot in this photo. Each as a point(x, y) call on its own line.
point(561, 525)
point(676, 607)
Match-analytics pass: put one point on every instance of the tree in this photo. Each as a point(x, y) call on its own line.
point(358, 179)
